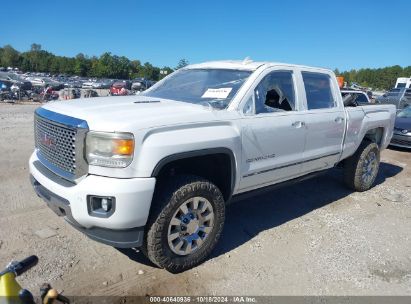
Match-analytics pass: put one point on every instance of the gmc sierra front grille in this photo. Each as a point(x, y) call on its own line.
point(59, 143)
point(56, 143)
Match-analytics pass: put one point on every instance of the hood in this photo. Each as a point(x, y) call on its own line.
point(403, 123)
point(134, 112)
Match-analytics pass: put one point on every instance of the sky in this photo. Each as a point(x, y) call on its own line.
point(342, 34)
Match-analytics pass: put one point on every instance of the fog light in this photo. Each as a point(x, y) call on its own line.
point(100, 206)
point(106, 204)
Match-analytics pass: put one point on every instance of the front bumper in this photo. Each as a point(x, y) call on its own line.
point(403, 141)
point(123, 228)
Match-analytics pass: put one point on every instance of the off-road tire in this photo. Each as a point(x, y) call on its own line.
point(167, 199)
point(353, 167)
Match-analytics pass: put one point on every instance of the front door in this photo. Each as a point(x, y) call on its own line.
point(273, 132)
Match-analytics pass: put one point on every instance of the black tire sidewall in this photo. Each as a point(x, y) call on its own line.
point(358, 181)
point(192, 187)
point(177, 201)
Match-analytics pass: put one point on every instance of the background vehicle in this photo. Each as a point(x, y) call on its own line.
point(156, 170)
point(48, 94)
point(402, 129)
point(120, 88)
point(401, 98)
point(403, 82)
point(141, 84)
point(358, 97)
point(15, 79)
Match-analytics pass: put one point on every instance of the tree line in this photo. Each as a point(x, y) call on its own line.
point(105, 66)
point(120, 67)
point(381, 78)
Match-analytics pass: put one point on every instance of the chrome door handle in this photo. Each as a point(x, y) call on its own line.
point(298, 124)
point(339, 119)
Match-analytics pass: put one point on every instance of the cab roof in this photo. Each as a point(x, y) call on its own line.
point(246, 64)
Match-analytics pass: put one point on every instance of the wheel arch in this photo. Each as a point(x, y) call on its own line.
point(375, 135)
point(209, 156)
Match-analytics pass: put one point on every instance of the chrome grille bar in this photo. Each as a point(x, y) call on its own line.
point(59, 141)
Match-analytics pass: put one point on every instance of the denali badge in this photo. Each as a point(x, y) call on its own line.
point(48, 141)
point(250, 160)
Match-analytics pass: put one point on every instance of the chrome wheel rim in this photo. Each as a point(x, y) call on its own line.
point(370, 166)
point(190, 225)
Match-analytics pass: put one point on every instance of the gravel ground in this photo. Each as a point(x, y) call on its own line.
point(312, 238)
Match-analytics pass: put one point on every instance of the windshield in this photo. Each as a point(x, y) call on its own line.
point(406, 113)
point(215, 87)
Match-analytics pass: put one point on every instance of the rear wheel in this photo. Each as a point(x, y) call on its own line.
point(361, 169)
point(185, 223)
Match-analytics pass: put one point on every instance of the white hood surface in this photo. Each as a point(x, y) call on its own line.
point(127, 113)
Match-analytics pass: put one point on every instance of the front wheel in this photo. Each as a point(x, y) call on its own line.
point(185, 223)
point(361, 169)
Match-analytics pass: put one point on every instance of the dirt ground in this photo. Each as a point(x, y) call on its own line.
point(312, 238)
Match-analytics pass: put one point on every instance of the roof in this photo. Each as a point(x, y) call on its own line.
point(351, 91)
point(228, 64)
point(246, 64)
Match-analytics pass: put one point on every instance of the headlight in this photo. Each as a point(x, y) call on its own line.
point(113, 150)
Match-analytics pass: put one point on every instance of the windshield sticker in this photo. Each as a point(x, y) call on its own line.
point(221, 93)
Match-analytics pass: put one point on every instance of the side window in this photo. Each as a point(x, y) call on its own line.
point(275, 93)
point(361, 98)
point(318, 91)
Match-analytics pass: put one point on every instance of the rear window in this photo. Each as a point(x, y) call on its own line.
point(318, 91)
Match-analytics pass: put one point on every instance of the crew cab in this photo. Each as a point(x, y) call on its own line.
point(156, 170)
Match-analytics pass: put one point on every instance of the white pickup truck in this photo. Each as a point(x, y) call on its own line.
point(156, 170)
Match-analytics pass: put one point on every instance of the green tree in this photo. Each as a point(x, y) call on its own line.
point(35, 47)
point(150, 72)
point(181, 64)
point(10, 57)
point(135, 68)
point(82, 65)
point(107, 65)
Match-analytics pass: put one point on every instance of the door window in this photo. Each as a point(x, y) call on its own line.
point(275, 93)
point(361, 98)
point(318, 91)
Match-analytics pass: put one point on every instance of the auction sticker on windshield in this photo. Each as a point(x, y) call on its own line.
point(220, 93)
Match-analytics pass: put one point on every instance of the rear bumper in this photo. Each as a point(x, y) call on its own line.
point(124, 227)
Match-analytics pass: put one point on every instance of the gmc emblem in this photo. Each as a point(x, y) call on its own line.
point(47, 141)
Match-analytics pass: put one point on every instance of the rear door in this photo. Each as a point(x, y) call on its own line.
point(324, 120)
